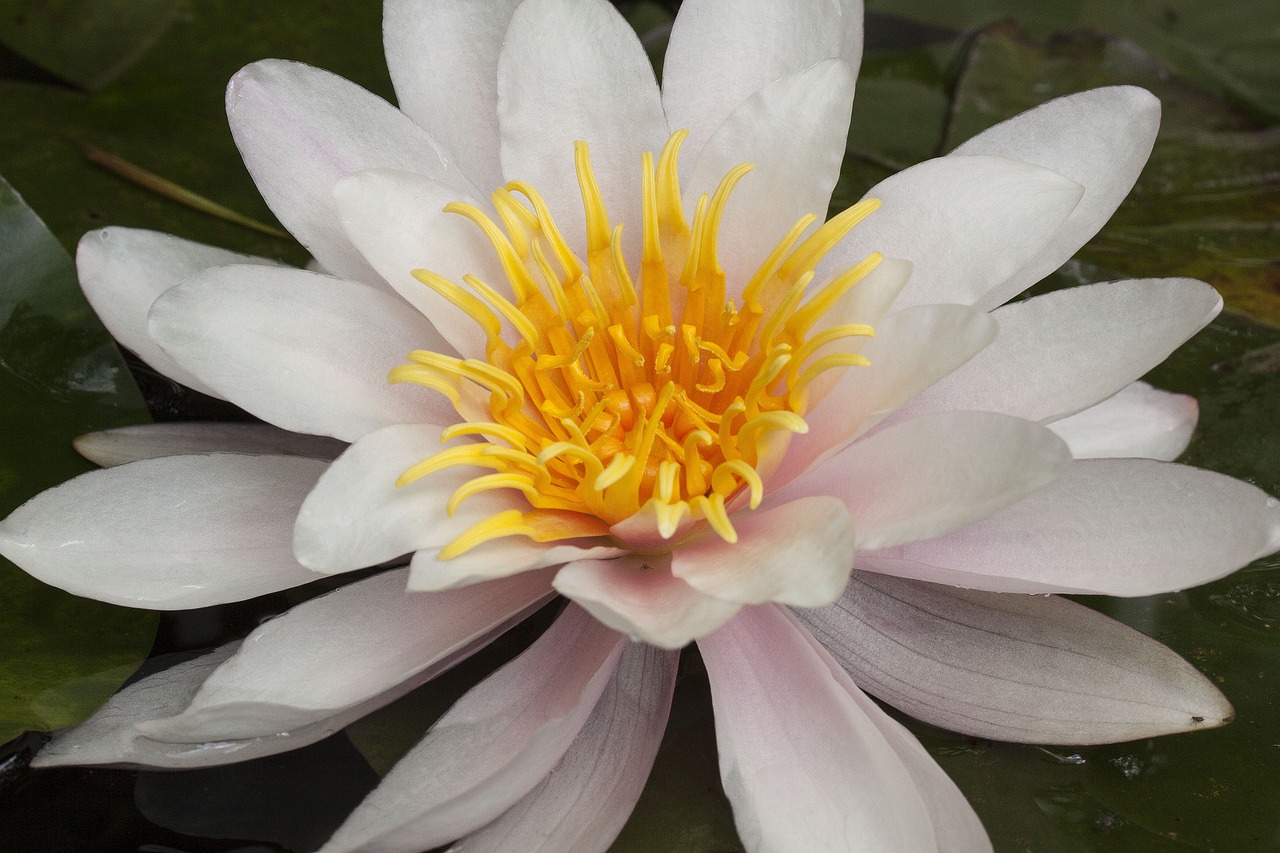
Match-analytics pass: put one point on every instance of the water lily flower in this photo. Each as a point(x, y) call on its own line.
point(629, 364)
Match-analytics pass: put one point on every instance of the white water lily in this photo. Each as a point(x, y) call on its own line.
point(686, 426)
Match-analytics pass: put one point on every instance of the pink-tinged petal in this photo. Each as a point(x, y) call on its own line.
point(931, 475)
point(1116, 527)
point(357, 516)
point(585, 801)
point(793, 131)
point(824, 779)
point(639, 596)
point(499, 559)
point(123, 270)
point(443, 58)
point(643, 531)
point(311, 664)
point(300, 129)
point(1026, 668)
point(167, 534)
point(396, 220)
point(882, 563)
point(1138, 421)
point(965, 222)
point(149, 441)
point(492, 747)
point(303, 351)
point(574, 70)
point(1062, 352)
point(799, 553)
point(722, 51)
point(1100, 139)
point(956, 826)
point(912, 349)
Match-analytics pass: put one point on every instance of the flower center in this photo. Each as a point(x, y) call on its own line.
point(613, 395)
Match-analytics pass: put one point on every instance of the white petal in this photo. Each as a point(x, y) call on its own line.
point(369, 640)
point(721, 51)
point(1116, 527)
point(824, 779)
point(395, 219)
point(639, 596)
point(1138, 421)
point(149, 441)
point(303, 351)
point(499, 559)
point(357, 516)
point(1026, 668)
point(1100, 139)
point(300, 129)
point(123, 270)
point(492, 747)
point(912, 349)
point(925, 477)
point(574, 70)
point(1062, 352)
point(169, 533)
point(443, 58)
point(799, 553)
point(965, 222)
point(582, 805)
point(793, 131)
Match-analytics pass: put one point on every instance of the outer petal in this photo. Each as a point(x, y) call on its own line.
point(149, 441)
point(793, 131)
point(1100, 139)
point(1116, 527)
point(639, 596)
point(300, 129)
point(492, 747)
point(822, 780)
point(721, 51)
point(443, 58)
point(308, 666)
point(1062, 352)
point(168, 534)
point(934, 474)
point(303, 351)
point(965, 222)
point(582, 805)
point(574, 70)
point(1138, 421)
point(1027, 668)
point(123, 270)
point(395, 219)
point(799, 553)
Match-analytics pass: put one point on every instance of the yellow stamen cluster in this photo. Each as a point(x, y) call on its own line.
point(608, 394)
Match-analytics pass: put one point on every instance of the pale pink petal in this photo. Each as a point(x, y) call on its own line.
point(793, 131)
point(574, 70)
point(639, 596)
point(303, 351)
point(722, 51)
point(799, 553)
point(1028, 668)
point(582, 805)
point(924, 477)
point(965, 222)
point(181, 438)
point(1138, 421)
point(443, 58)
point(167, 534)
point(1116, 527)
point(357, 648)
point(802, 764)
point(300, 129)
point(499, 559)
point(1100, 139)
point(123, 270)
point(1062, 352)
point(492, 747)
